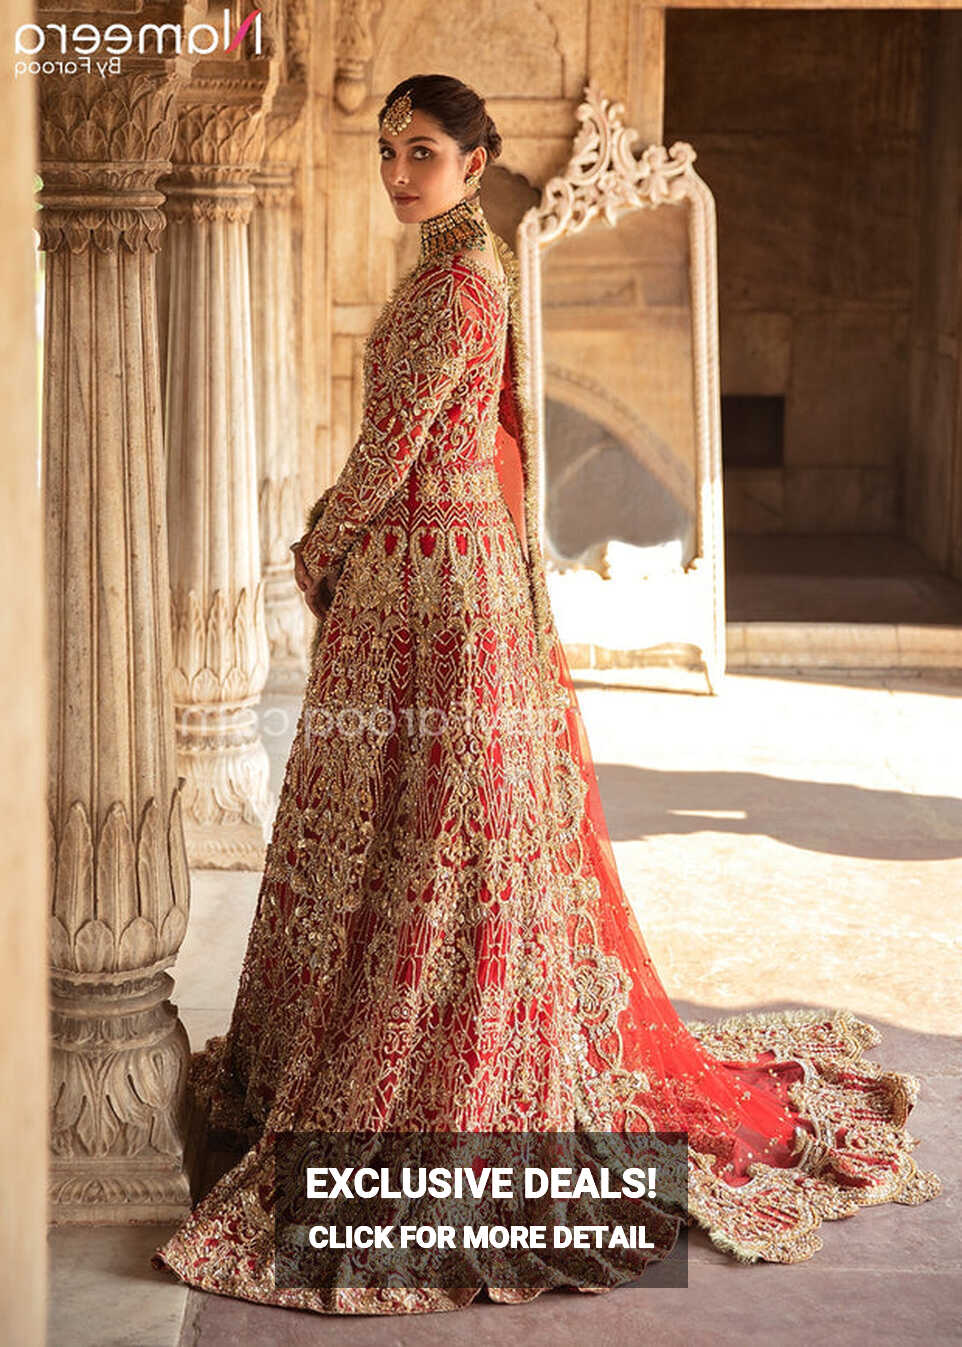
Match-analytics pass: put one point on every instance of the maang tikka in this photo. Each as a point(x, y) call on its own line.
point(398, 114)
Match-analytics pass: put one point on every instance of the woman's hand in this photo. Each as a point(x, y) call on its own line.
point(300, 570)
point(318, 594)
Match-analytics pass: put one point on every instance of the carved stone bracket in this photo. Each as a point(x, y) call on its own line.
point(297, 41)
point(354, 48)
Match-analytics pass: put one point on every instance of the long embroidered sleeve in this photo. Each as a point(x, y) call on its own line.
point(430, 335)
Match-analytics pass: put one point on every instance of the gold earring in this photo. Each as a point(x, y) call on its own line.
point(473, 180)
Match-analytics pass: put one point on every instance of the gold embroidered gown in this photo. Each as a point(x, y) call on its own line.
point(441, 941)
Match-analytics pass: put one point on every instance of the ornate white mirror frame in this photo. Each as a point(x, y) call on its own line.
point(604, 178)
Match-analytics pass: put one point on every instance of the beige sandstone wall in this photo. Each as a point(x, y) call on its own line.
point(813, 156)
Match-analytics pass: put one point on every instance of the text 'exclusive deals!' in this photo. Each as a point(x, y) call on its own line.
point(460, 1209)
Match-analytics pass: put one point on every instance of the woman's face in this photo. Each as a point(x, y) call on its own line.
point(423, 169)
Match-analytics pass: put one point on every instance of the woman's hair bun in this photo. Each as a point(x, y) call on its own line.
point(492, 137)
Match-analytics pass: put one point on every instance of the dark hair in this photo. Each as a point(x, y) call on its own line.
point(459, 110)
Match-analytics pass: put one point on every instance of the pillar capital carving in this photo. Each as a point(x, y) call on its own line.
point(274, 178)
point(284, 125)
point(219, 141)
point(102, 147)
point(274, 187)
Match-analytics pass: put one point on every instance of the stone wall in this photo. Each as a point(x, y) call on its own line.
point(812, 151)
point(934, 475)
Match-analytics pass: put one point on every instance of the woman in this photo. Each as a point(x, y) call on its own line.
point(441, 941)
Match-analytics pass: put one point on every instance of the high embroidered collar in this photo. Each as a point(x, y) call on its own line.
point(462, 225)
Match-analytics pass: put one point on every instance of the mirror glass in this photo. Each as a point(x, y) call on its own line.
point(619, 416)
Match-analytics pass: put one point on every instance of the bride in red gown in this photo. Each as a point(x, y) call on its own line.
point(441, 941)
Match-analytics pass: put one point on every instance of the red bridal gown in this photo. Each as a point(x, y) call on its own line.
point(441, 941)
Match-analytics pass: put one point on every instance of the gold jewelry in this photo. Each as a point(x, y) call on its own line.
point(462, 225)
point(398, 114)
point(473, 180)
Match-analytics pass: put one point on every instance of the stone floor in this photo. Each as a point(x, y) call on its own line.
point(795, 841)
point(792, 601)
point(869, 601)
point(851, 578)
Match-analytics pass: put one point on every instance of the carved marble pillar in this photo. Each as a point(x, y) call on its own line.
point(217, 591)
point(280, 498)
point(118, 875)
